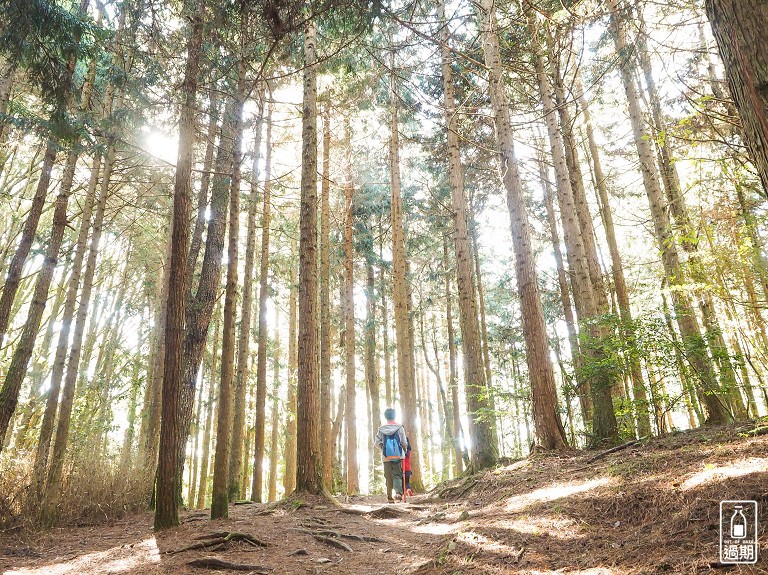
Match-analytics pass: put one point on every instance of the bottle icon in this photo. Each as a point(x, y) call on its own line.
point(738, 523)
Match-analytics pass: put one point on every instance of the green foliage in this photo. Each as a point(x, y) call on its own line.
point(47, 40)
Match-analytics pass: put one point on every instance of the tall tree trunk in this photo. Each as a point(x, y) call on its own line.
point(693, 342)
point(350, 416)
point(482, 437)
point(309, 466)
point(73, 362)
point(549, 429)
point(261, 370)
point(238, 426)
point(406, 373)
point(742, 38)
point(326, 386)
point(221, 461)
point(171, 434)
point(588, 293)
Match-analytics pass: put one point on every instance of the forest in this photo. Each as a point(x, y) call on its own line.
point(234, 232)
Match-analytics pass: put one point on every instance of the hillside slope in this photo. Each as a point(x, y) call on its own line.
point(650, 508)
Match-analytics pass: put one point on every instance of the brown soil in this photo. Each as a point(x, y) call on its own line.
point(650, 509)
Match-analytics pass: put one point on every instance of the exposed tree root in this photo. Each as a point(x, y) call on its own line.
point(214, 563)
point(221, 538)
point(333, 542)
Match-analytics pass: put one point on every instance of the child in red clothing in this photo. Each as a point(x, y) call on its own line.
point(407, 468)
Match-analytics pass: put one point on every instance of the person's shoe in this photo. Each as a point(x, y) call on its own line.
point(390, 500)
point(398, 497)
point(410, 493)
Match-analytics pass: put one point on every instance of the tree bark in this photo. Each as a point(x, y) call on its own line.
point(742, 38)
point(326, 445)
point(308, 461)
point(209, 417)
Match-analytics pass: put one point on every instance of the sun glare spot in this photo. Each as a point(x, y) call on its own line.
point(161, 145)
point(712, 473)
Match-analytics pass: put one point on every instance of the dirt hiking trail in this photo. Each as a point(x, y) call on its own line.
point(650, 508)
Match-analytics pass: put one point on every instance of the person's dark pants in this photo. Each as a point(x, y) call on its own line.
point(408, 479)
point(393, 475)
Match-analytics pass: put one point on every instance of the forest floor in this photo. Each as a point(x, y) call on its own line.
point(651, 508)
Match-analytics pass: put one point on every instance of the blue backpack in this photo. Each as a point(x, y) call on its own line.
point(391, 446)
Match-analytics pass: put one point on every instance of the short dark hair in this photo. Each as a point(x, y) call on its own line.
point(389, 414)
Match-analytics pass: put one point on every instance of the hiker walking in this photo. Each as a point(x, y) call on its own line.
point(393, 443)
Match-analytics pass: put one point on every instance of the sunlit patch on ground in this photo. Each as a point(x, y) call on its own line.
point(436, 528)
point(560, 528)
point(557, 491)
point(713, 473)
point(115, 560)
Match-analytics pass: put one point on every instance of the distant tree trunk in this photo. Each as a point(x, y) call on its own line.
point(461, 452)
point(688, 236)
point(289, 480)
point(220, 490)
point(245, 320)
point(73, 362)
point(371, 361)
point(273, 441)
point(326, 445)
point(171, 434)
point(742, 38)
point(308, 462)
point(716, 401)
point(549, 429)
point(582, 383)
point(205, 184)
point(617, 270)
point(353, 482)
point(406, 372)
point(385, 336)
point(483, 444)
point(193, 464)
point(209, 416)
point(59, 362)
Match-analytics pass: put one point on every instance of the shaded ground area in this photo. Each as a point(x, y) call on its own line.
point(649, 509)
